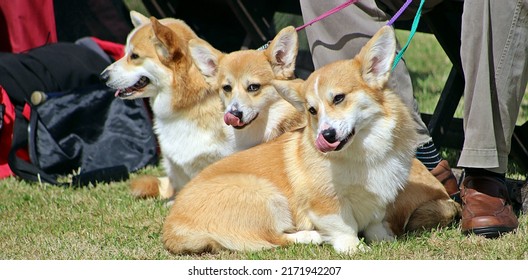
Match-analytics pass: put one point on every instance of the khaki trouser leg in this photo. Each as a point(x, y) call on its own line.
point(494, 58)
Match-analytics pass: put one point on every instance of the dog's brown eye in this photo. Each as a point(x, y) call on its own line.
point(312, 111)
point(253, 87)
point(227, 88)
point(338, 98)
point(134, 56)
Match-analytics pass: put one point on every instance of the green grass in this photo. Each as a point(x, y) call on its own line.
point(105, 222)
point(429, 67)
point(136, 5)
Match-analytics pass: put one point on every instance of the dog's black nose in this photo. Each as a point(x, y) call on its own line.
point(237, 114)
point(329, 135)
point(104, 76)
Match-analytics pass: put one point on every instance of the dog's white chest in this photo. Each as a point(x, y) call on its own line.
point(187, 141)
point(185, 144)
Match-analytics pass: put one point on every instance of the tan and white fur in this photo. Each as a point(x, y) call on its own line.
point(157, 65)
point(326, 182)
point(187, 109)
point(244, 78)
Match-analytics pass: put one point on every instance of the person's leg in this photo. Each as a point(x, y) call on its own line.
point(493, 52)
point(343, 34)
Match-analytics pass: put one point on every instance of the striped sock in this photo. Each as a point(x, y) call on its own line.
point(428, 155)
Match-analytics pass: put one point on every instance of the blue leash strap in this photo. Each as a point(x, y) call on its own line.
point(411, 34)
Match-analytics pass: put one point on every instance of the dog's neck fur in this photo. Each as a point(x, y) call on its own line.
point(252, 135)
point(190, 109)
point(273, 121)
point(190, 101)
point(256, 133)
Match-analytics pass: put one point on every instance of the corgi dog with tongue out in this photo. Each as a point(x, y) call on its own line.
point(243, 79)
point(324, 183)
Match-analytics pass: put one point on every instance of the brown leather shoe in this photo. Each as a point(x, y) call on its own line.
point(443, 173)
point(485, 207)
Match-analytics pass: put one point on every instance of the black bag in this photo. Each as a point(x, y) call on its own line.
point(81, 133)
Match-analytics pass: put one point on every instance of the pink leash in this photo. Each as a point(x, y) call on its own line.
point(390, 22)
point(346, 4)
point(326, 14)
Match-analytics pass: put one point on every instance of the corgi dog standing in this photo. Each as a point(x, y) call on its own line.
point(326, 182)
point(187, 108)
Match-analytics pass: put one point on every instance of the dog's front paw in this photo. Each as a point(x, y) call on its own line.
point(305, 237)
point(349, 245)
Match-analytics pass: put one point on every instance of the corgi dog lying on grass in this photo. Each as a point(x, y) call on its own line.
point(325, 182)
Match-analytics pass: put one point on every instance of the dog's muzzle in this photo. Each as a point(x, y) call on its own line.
point(327, 140)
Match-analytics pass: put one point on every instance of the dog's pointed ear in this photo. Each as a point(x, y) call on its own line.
point(168, 45)
point(291, 91)
point(138, 19)
point(282, 52)
point(206, 58)
point(377, 56)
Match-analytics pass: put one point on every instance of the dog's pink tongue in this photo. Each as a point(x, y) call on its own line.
point(231, 119)
point(324, 146)
point(117, 93)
